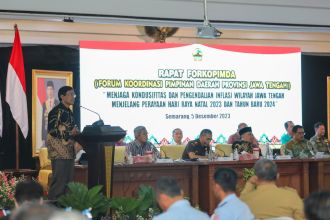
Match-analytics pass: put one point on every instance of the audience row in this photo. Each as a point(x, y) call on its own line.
point(259, 199)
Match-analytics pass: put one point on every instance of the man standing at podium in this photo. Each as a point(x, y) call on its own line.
point(60, 144)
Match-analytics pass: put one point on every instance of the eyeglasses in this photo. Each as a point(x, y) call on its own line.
point(71, 94)
point(301, 132)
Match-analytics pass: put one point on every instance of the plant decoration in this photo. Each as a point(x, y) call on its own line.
point(142, 208)
point(7, 190)
point(80, 198)
point(248, 173)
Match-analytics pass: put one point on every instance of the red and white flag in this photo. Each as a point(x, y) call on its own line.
point(15, 86)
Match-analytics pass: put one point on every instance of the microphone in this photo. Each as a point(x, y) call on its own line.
point(98, 122)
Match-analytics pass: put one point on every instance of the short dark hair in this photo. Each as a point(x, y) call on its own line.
point(265, 170)
point(50, 84)
point(296, 127)
point(317, 206)
point(205, 131)
point(286, 124)
point(318, 124)
point(28, 191)
point(226, 178)
point(168, 185)
point(63, 90)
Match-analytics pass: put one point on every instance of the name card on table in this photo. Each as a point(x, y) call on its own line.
point(283, 157)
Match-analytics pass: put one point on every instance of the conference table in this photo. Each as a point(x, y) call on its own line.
point(196, 178)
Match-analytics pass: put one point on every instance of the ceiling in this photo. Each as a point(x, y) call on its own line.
point(295, 15)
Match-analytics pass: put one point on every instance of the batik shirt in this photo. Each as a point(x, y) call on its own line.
point(243, 146)
point(59, 141)
point(295, 149)
point(137, 148)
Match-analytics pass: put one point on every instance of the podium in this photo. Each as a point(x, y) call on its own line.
point(99, 143)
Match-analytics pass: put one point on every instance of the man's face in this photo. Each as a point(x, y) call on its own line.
point(299, 135)
point(50, 92)
point(289, 129)
point(320, 131)
point(247, 136)
point(143, 136)
point(177, 136)
point(205, 139)
point(69, 97)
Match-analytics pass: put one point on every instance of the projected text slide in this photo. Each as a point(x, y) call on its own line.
point(165, 86)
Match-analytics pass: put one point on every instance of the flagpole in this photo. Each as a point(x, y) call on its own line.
point(17, 100)
point(17, 135)
point(17, 147)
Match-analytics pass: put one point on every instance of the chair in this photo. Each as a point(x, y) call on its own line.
point(172, 151)
point(223, 150)
point(119, 154)
point(45, 171)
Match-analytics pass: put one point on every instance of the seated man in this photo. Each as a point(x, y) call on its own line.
point(298, 147)
point(141, 144)
point(319, 142)
point(28, 191)
point(245, 144)
point(170, 199)
point(177, 137)
point(198, 148)
point(317, 206)
point(237, 137)
point(288, 136)
point(230, 207)
point(265, 199)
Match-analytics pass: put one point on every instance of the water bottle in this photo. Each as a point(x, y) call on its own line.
point(235, 155)
point(129, 158)
point(269, 153)
point(210, 156)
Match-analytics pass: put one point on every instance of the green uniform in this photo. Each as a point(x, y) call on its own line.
point(269, 201)
point(320, 144)
point(295, 149)
point(243, 146)
point(196, 147)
